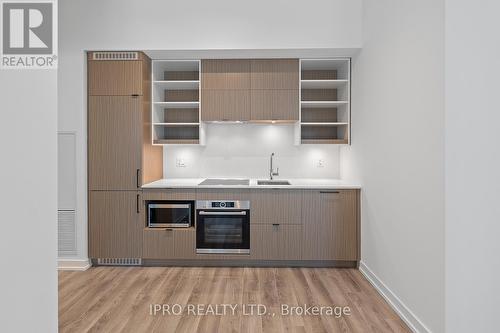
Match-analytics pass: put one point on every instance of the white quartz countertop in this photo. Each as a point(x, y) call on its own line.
point(296, 183)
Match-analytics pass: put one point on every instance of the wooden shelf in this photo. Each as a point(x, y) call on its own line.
point(323, 84)
point(176, 124)
point(176, 141)
point(177, 85)
point(323, 104)
point(324, 124)
point(325, 141)
point(178, 105)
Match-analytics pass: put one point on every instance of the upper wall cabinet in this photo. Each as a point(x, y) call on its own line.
point(325, 101)
point(274, 74)
point(116, 74)
point(176, 102)
point(225, 74)
point(274, 90)
point(250, 90)
point(225, 91)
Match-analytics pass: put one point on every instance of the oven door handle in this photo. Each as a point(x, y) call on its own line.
point(202, 212)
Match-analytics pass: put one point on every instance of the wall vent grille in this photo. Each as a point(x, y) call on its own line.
point(66, 233)
point(119, 261)
point(116, 55)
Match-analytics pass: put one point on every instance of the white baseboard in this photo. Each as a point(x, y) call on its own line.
point(401, 309)
point(73, 264)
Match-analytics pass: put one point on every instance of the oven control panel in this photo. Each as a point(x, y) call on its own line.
point(222, 204)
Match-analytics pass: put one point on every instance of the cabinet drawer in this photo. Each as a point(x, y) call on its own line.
point(223, 194)
point(276, 206)
point(276, 242)
point(169, 243)
point(170, 194)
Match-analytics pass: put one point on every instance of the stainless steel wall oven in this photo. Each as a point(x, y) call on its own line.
point(223, 226)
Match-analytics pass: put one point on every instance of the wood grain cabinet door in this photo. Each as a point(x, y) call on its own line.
point(274, 104)
point(114, 142)
point(115, 224)
point(274, 85)
point(225, 105)
point(274, 74)
point(115, 78)
point(225, 74)
point(276, 206)
point(330, 225)
point(225, 90)
point(169, 243)
point(276, 242)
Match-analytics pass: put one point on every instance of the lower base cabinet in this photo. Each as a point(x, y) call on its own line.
point(169, 243)
point(115, 224)
point(275, 242)
point(330, 220)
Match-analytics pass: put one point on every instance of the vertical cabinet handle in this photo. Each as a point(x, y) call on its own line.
point(138, 207)
point(138, 178)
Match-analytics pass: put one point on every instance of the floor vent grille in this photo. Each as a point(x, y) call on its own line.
point(119, 261)
point(116, 55)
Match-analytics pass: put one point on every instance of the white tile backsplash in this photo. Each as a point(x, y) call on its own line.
point(243, 150)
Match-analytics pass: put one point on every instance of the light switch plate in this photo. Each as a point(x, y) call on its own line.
point(320, 163)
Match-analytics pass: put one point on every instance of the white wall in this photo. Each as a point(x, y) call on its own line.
point(397, 153)
point(244, 151)
point(28, 200)
point(472, 166)
point(180, 25)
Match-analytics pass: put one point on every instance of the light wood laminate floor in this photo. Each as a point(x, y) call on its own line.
point(118, 299)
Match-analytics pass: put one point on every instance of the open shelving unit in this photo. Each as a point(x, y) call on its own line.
point(325, 112)
point(176, 102)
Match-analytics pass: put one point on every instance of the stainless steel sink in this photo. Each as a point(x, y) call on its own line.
point(273, 182)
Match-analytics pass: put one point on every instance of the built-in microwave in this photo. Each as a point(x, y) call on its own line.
point(170, 214)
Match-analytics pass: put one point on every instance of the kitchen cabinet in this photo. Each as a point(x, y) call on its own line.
point(274, 89)
point(120, 154)
point(330, 221)
point(276, 206)
point(225, 74)
point(274, 104)
point(255, 90)
point(275, 242)
point(223, 194)
point(274, 74)
point(114, 142)
point(115, 224)
point(169, 243)
point(225, 90)
point(115, 77)
point(225, 105)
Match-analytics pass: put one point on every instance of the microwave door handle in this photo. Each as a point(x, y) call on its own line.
point(202, 212)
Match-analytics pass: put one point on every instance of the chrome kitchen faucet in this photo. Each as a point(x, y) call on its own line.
point(271, 169)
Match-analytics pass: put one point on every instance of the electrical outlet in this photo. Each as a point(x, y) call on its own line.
point(320, 163)
point(180, 163)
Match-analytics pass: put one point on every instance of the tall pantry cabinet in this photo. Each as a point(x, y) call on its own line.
point(120, 154)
